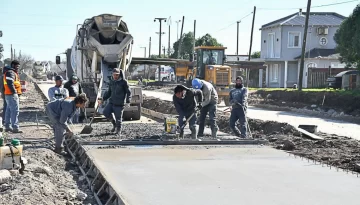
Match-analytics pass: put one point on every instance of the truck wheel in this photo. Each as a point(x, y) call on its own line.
point(227, 100)
point(136, 115)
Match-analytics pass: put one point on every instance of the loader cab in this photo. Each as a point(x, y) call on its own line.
point(210, 65)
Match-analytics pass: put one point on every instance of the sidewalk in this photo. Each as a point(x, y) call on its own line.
point(328, 126)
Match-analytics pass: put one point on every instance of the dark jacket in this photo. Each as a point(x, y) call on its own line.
point(62, 110)
point(238, 97)
point(118, 92)
point(10, 74)
point(187, 105)
point(74, 89)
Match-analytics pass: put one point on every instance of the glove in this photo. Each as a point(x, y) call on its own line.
point(199, 106)
point(127, 105)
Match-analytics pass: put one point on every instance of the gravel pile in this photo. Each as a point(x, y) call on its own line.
point(48, 178)
point(339, 151)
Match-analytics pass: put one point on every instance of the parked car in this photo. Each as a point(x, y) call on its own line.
point(336, 81)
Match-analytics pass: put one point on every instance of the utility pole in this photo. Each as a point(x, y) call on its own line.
point(14, 54)
point(303, 46)
point(177, 29)
point(251, 40)
point(160, 21)
point(169, 23)
point(237, 39)
point(193, 51)
point(180, 44)
point(164, 50)
point(149, 47)
point(11, 57)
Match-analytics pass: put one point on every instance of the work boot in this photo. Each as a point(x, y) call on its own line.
point(193, 132)
point(118, 130)
point(59, 150)
point(214, 132)
point(16, 131)
point(8, 130)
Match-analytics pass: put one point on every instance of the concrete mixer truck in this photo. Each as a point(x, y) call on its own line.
point(102, 43)
point(40, 70)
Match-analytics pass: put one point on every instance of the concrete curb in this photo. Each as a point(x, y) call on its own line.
point(155, 114)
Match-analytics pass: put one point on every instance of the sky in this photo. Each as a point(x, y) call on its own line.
point(45, 28)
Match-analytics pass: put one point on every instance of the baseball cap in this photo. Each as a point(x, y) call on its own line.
point(59, 77)
point(116, 71)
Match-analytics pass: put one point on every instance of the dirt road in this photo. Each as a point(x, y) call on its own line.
point(324, 125)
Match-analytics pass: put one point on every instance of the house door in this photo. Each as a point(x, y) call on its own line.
point(271, 45)
point(352, 83)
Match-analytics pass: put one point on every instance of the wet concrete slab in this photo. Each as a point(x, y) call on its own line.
point(216, 175)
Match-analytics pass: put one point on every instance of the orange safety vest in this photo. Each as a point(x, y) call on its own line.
point(17, 85)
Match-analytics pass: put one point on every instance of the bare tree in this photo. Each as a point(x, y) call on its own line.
point(26, 61)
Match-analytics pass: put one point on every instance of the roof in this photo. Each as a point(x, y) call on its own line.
point(319, 52)
point(348, 72)
point(315, 19)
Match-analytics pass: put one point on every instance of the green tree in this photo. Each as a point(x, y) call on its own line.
point(187, 47)
point(255, 54)
point(207, 40)
point(347, 38)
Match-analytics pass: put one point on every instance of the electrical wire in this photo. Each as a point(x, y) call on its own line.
point(318, 6)
point(234, 22)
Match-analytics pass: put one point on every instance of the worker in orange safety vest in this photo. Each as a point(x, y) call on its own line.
point(12, 91)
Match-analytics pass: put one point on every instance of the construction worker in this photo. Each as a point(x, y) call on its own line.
point(2, 90)
point(238, 101)
point(75, 89)
point(12, 91)
point(209, 105)
point(58, 91)
point(119, 95)
point(185, 103)
point(59, 111)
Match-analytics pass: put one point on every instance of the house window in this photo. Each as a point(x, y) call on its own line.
point(323, 41)
point(271, 45)
point(294, 40)
point(274, 73)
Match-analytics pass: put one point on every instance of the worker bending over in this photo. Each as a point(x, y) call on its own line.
point(58, 91)
point(208, 105)
point(238, 101)
point(119, 95)
point(185, 104)
point(12, 91)
point(59, 111)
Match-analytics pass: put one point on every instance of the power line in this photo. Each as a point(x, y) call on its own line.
point(234, 22)
point(52, 25)
point(318, 6)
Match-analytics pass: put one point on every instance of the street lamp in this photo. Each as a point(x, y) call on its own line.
point(160, 21)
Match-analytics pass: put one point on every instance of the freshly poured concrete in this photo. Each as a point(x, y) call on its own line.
point(213, 175)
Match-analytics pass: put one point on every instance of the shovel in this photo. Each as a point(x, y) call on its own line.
point(185, 123)
point(88, 129)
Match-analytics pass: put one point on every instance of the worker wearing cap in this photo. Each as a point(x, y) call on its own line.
point(12, 91)
point(119, 95)
point(238, 100)
point(58, 91)
point(209, 105)
point(59, 112)
point(185, 103)
point(75, 89)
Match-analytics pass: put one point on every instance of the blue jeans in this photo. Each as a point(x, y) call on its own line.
point(211, 109)
point(75, 118)
point(58, 129)
point(238, 114)
point(117, 110)
point(12, 112)
point(4, 110)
